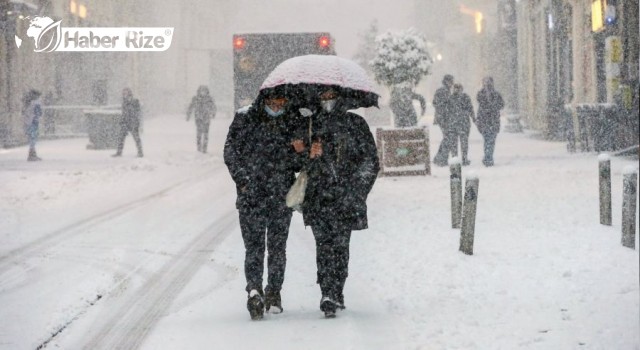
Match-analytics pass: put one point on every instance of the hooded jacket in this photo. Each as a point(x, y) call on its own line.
point(340, 180)
point(260, 158)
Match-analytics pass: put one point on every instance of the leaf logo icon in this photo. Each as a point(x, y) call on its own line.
point(49, 38)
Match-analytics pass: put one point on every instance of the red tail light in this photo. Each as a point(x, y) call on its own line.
point(324, 41)
point(238, 43)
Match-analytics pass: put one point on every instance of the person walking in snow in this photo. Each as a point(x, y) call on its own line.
point(203, 109)
point(441, 103)
point(129, 121)
point(31, 113)
point(262, 163)
point(461, 114)
point(490, 103)
point(402, 106)
point(342, 166)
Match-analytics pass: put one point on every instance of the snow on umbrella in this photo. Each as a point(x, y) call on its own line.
point(326, 70)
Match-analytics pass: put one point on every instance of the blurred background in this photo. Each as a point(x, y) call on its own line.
point(543, 54)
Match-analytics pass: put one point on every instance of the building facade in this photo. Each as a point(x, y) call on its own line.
point(575, 52)
point(69, 78)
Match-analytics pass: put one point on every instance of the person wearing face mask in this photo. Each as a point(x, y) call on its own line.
point(342, 166)
point(203, 109)
point(262, 163)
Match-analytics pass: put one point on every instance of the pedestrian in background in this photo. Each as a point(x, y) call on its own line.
point(262, 163)
point(461, 117)
point(203, 109)
point(342, 166)
point(129, 121)
point(442, 105)
point(490, 103)
point(31, 113)
point(402, 106)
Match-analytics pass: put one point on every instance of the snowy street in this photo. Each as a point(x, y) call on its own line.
point(146, 253)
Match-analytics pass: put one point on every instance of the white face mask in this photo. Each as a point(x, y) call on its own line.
point(328, 105)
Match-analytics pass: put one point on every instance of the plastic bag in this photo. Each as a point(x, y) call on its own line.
point(295, 196)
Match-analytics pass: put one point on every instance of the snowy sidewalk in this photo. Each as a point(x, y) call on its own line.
point(544, 275)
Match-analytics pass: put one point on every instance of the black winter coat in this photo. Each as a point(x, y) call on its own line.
point(202, 107)
point(260, 158)
point(441, 103)
point(341, 179)
point(489, 105)
point(461, 112)
point(130, 113)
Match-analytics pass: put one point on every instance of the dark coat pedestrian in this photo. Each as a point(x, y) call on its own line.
point(402, 106)
point(129, 122)
point(203, 109)
point(262, 163)
point(460, 122)
point(442, 105)
point(31, 113)
point(490, 103)
point(342, 165)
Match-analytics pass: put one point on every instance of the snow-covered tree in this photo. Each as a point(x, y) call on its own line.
point(367, 47)
point(401, 57)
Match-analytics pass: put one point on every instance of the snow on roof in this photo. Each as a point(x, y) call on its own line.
point(630, 169)
point(322, 70)
point(603, 157)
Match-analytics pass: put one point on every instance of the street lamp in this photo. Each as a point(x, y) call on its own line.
point(477, 16)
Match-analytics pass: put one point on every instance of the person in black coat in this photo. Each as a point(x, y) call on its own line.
point(441, 103)
point(31, 113)
point(262, 163)
point(129, 121)
point(342, 166)
point(461, 116)
point(402, 106)
point(203, 109)
point(490, 103)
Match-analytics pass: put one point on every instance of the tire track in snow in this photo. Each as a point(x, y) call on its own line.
point(128, 326)
point(19, 255)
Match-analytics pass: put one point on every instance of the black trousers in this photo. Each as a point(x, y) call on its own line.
point(489, 147)
point(463, 137)
point(446, 146)
point(257, 224)
point(134, 130)
point(332, 256)
point(202, 134)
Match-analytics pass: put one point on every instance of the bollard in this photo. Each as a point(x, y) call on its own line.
point(605, 189)
point(629, 204)
point(455, 168)
point(469, 215)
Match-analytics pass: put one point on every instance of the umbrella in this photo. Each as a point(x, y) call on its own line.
point(311, 71)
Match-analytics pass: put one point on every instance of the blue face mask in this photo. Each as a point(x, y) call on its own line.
point(273, 114)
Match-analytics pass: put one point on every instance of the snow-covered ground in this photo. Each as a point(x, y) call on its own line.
point(104, 253)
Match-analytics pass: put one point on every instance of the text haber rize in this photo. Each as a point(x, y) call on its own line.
point(133, 40)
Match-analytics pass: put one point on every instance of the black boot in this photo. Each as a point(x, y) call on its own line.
point(33, 157)
point(272, 301)
point(255, 304)
point(328, 306)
